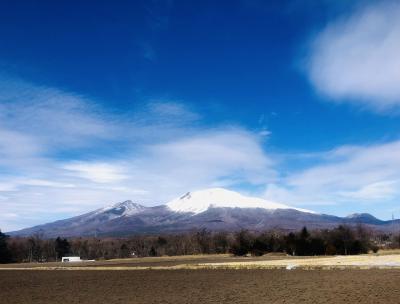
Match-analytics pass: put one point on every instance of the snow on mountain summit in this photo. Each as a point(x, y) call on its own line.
point(199, 201)
point(125, 208)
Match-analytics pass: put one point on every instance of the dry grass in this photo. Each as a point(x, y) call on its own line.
point(360, 261)
point(388, 252)
point(388, 259)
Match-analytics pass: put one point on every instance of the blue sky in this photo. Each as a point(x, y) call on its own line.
point(294, 101)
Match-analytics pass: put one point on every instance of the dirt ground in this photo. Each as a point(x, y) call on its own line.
point(200, 286)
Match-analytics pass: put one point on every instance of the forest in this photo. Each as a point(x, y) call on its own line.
point(342, 240)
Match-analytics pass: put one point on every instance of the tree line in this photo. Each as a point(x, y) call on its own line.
point(342, 240)
point(338, 241)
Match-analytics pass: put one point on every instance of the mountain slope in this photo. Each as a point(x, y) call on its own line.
point(82, 224)
point(214, 209)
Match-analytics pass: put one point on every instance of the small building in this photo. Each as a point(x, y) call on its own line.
point(71, 259)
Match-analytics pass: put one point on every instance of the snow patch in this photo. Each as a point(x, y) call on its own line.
point(199, 201)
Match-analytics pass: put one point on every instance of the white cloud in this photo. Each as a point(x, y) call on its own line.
point(30, 110)
point(375, 191)
point(45, 183)
point(356, 175)
point(7, 187)
point(97, 172)
point(264, 133)
point(17, 149)
point(357, 58)
point(223, 157)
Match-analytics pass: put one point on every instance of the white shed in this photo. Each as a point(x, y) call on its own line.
point(71, 259)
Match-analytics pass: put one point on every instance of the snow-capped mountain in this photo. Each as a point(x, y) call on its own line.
point(199, 201)
point(214, 209)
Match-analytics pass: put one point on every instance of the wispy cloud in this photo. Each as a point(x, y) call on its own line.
point(375, 191)
point(346, 175)
point(97, 172)
point(42, 114)
point(356, 59)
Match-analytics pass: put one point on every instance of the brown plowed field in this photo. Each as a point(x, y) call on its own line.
point(200, 286)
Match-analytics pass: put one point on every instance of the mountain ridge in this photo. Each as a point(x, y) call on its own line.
point(204, 209)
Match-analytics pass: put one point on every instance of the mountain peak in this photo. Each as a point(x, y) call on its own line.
point(360, 215)
point(364, 218)
point(122, 208)
point(199, 201)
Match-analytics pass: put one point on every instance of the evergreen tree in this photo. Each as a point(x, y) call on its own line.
point(243, 243)
point(303, 245)
point(5, 253)
point(124, 251)
point(290, 241)
point(62, 247)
